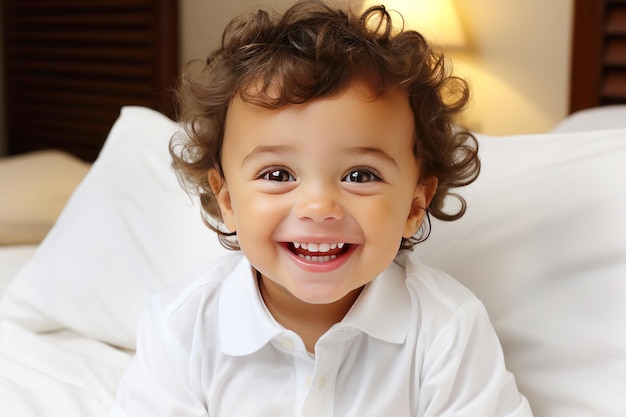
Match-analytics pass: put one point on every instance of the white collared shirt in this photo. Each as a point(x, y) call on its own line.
point(415, 343)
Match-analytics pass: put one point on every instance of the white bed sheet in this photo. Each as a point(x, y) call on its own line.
point(54, 374)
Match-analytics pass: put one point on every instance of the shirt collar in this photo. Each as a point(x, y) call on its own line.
point(383, 308)
point(245, 325)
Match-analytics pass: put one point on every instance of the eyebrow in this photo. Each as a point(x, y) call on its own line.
point(284, 149)
point(266, 149)
point(371, 150)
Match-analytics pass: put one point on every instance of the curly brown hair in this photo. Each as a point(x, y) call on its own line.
point(313, 51)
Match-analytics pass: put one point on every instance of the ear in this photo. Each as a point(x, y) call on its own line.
point(222, 196)
point(424, 193)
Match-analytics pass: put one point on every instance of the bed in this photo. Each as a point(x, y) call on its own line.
point(543, 244)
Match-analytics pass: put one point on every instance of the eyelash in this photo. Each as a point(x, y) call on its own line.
point(373, 175)
point(265, 174)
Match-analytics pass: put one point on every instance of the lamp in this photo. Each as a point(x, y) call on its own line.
point(437, 20)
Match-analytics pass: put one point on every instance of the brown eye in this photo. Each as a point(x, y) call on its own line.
point(277, 175)
point(361, 175)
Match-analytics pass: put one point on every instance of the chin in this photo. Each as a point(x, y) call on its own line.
point(317, 297)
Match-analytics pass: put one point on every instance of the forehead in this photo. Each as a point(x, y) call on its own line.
point(355, 113)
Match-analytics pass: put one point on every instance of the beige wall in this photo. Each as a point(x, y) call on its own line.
point(202, 21)
point(517, 63)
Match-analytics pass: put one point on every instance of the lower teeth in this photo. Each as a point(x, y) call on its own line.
point(318, 258)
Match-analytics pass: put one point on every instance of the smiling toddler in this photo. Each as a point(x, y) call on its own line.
point(319, 143)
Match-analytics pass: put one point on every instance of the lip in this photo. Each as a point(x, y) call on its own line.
point(319, 267)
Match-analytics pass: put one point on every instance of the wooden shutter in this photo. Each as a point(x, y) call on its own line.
point(70, 65)
point(613, 86)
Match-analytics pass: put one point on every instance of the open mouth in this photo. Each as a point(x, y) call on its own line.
point(318, 252)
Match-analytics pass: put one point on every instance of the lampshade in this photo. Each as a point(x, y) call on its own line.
point(437, 20)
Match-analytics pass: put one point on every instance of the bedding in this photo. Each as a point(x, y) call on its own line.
point(543, 244)
point(57, 373)
point(595, 118)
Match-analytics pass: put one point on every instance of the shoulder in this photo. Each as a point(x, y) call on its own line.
point(209, 276)
point(433, 284)
point(458, 347)
point(180, 304)
point(438, 298)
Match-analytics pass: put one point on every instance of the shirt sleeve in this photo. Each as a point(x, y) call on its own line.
point(464, 372)
point(156, 384)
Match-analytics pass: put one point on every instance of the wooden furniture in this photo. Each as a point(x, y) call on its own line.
point(70, 65)
point(598, 75)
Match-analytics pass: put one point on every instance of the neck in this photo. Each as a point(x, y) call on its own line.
point(309, 321)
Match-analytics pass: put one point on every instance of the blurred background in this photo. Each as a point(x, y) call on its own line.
point(515, 54)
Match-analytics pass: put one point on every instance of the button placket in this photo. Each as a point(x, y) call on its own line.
point(286, 343)
point(321, 392)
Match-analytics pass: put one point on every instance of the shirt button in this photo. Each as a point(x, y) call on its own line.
point(308, 381)
point(287, 343)
point(321, 383)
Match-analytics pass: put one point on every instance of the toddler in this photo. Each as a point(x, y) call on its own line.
point(319, 142)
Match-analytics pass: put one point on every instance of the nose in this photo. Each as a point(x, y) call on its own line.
point(317, 203)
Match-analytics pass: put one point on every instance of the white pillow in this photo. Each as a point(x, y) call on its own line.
point(126, 231)
point(12, 258)
point(543, 244)
point(595, 118)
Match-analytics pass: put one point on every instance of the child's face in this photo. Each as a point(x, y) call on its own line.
point(321, 194)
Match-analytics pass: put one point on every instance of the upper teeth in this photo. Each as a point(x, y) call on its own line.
point(317, 247)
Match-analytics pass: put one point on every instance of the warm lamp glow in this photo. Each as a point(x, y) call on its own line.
point(437, 20)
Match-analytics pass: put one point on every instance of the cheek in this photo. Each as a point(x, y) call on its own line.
point(250, 204)
point(385, 217)
point(254, 213)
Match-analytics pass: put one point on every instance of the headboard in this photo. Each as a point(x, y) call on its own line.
point(598, 74)
point(70, 65)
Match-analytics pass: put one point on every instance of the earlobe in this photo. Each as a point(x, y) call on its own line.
point(222, 196)
point(422, 197)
